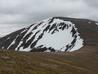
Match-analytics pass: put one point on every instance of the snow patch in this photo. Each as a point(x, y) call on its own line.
point(60, 39)
point(97, 23)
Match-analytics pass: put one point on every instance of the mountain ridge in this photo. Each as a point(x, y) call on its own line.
point(83, 25)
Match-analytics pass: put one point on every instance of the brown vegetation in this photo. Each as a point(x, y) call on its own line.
point(83, 61)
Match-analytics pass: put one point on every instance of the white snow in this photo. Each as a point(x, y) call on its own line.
point(78, 44)
point(47, 51)
point(29, 30)
point(96, 23)
point(26, 49)
point(18, 45)
point(89, 22)
point(11, 44)
point(58, 40)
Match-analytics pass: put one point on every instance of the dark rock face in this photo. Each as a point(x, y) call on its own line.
point(32, 38)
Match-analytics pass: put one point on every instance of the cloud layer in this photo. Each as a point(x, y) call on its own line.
point(25, 12)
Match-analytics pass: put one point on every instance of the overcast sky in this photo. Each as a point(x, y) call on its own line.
point(15, 14)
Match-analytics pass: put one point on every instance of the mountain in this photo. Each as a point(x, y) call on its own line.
point(53, 35)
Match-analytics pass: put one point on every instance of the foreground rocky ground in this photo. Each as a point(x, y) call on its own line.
point(83, 61)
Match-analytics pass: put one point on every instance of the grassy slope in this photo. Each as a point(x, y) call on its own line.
point(78, 62)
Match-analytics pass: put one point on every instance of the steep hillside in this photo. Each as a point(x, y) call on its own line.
point(53, 35)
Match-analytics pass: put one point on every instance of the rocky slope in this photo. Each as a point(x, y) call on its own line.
point(53, 34)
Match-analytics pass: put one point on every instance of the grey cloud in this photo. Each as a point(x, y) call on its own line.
point(92, 3)
point(29, 11)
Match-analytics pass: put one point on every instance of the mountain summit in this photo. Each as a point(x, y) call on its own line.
point(50, 35)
